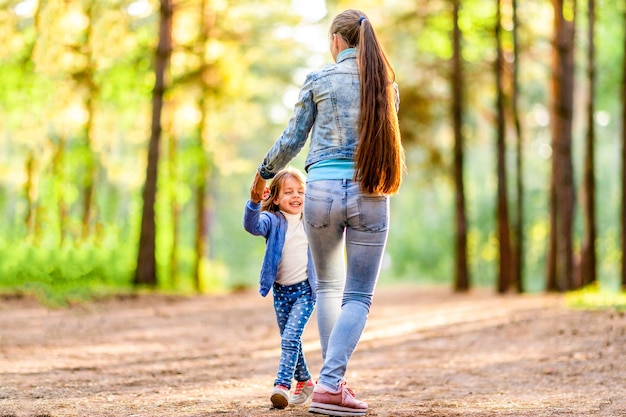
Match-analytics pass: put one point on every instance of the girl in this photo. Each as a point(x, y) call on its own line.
point(288, 269)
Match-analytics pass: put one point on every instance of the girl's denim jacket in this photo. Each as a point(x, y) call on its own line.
point(328, 107)
point(272, 226)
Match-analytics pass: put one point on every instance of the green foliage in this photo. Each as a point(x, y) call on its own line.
point(593, 297)
point(231, 93)
point(57, 275)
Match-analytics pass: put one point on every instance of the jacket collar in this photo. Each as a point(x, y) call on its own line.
point(346, 54)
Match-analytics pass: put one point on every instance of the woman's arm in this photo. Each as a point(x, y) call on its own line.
point(258, 190)
point(291, 142)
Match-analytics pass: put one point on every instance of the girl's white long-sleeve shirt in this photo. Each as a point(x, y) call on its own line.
point(293, 264)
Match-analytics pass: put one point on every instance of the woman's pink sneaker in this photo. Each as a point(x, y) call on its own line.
point(340, 403)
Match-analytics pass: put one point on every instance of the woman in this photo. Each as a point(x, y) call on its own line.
point(355, 161)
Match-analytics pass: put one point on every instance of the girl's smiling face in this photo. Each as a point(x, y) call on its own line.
point(290, 198)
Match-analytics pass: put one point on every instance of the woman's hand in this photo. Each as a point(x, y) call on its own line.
point(258, 190)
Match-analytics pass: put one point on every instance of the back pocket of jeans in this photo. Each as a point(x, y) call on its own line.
point(373, 213)
point(317, 211)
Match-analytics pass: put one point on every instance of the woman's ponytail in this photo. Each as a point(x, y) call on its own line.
point(379, 159)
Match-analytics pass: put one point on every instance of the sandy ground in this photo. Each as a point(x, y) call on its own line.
point(425, 352)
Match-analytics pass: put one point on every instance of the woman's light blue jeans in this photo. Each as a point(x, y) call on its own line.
point(347, 232)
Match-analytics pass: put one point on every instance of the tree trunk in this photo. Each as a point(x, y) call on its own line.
point(146, 273)
point(57, 168)
point(90, 170)
point(201, 229)
point(587, 270)
point(504, 264)
point(30, 189)
point(207, 20)
point(552, 284)
point(87, 79)
point(517, 269)
point(175, 210)
point(461, 272)
point(560, 254)
point(623, 220)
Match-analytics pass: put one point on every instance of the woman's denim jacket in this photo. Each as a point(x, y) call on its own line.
point(328, 107)
point(272, 226)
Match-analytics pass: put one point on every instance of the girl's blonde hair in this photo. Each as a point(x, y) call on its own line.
point(276, 186)
point(379, 159)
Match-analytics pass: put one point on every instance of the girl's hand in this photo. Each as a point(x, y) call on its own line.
point(258, 189)
point(266, 193)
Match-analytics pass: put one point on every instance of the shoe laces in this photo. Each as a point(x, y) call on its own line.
point(300, 386)
point(345, 388)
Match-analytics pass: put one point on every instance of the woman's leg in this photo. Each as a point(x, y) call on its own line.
point(366, 236)
point(324, 216)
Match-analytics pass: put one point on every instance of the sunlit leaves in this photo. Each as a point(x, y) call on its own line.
point(242, 68)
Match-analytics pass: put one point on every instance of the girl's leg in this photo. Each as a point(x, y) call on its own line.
point(295, 312)
point(300, 314)
point(282, 307)
point(324, 215)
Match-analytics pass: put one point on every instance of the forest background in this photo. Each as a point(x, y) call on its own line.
point(77, 79)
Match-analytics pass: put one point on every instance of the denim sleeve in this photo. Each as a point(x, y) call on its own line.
point(253, 222)
point(291, 142)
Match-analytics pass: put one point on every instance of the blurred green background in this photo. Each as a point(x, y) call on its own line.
point(76, 79)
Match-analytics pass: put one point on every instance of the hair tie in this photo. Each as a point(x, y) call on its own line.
point(361, 20)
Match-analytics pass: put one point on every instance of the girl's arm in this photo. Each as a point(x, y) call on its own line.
point(255, 222)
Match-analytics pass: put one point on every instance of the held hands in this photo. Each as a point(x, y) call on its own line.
point(258, 190)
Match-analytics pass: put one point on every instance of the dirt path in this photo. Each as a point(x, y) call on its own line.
point(425, 352)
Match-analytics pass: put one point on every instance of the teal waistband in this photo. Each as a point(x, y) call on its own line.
point(331, 169)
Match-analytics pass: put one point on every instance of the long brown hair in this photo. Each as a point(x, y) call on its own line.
point(277, 184)
point(379, 159)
